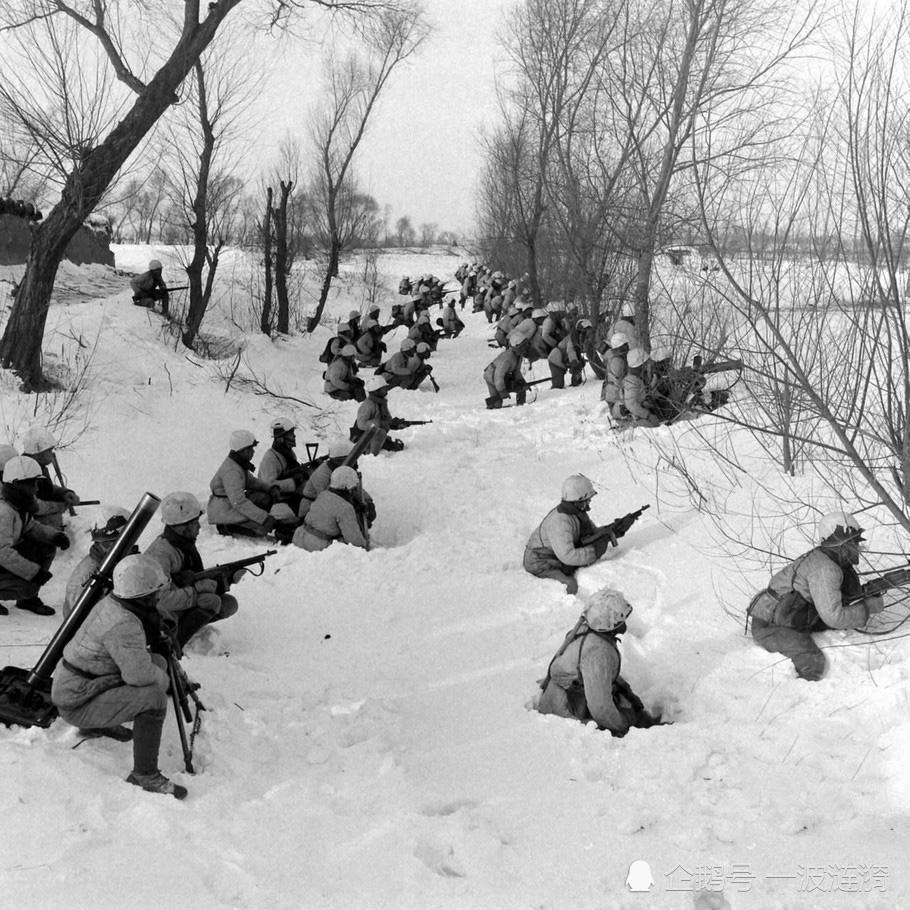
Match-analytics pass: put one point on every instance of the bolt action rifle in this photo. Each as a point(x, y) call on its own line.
point(616, 529)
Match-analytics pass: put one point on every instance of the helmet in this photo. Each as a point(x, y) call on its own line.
point(340, 448)
point(344, 478)
point(636, 357)
point(577, 488)
point(606, 609)
point(627, 311)
point(242, 439)
point(423, 348)
point(6, 452)
point(348, 351)
point(836, 527)
point(376, 384)
point(408, 345)
point(583, 324)
point(354, 314)
point(659, 354)
point(617, 339)
point(539, 313)
point(115, 518)
point(179, 508)
point(36, 439)
point(21, 467)
point(375, 308)
point(282, 512)
point(282, 425)
point(137, 576)
point(525, 305)
point(154, 265)
point(423, 318)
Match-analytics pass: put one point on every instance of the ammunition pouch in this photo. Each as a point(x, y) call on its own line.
point(790, 610)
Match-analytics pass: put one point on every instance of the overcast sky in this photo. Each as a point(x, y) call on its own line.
point(422, 153)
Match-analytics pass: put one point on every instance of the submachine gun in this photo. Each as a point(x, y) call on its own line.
point(25, 698)
point(616, 528)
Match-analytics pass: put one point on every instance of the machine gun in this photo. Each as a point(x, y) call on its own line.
point(896, 578)
point(616, 529)
point(224, 573)
point(25, 694)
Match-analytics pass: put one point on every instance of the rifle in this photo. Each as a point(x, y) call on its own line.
point(182, 690)
point(60, 478)
point(896, 578)
point(25, 694)
point(625, 522)
point(719, 366)
point(399, 423)
point(224, 572)
point(181, 287)
point(534, 382)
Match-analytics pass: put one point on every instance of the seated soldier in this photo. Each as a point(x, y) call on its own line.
point(240, 501)
point(341, 380)
point(370, 346)
point(634, 394)
point(319, 480)
point(375, 410)
point(334, 515)
point(53, 500)
point(103, 539)
point(279, 466)
point(108, 676)
point(558, 548)
point(187, 602)
point(583, 680)
point(149, 287)
point(27, 546)
point(503, 376)
point(820, 590)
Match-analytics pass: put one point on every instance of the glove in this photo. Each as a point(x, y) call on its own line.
point(874, 604)
point(211, 603)
point(622, 525)
point(42, 577)
point(70, 498)
point(206, 586)
point(184, 578)
point(600, 546)
point(61, 541)
point(269, 524)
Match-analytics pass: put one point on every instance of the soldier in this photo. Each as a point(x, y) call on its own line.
point(187, 602)
point(341, 380)
point(820, 590)
point(370, 345)
point(108, 677)
point(583, 680)
point(503, 376)
point(103, 540)
point(375, 410)
point(615, 368)
point(400, 368)
point(556, 549)
point(634, 398)
point(567, 356)
point(240, 501)
point(279, 466)
point(319, 479)
point(27, 546)
point(422, 331)
point(334, 515)
point(625, 325)
point(451, 324)
point(149, 287)
point(504, 326)
point(658, 378)
point(553, 329)
point(53, 500)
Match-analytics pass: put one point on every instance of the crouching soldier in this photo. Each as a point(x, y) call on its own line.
point(279, 466)
point(341, 380)
point(103, 539)
point(27, 546)
point(108, 677)
point(634, 391)
point(240, 501)
point(334, 515)
point(53, 500)
point(556, 549)
point(375, 410)
point(452, 326)
point(149, 287)
point(820, 590)
point(322, 477)
point(567, 356)
point(503, 376)
point(186, 602)
point(583, 680)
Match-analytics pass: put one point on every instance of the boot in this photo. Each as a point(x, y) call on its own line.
point(156, 782)
point(35, 604)
point(120, 733)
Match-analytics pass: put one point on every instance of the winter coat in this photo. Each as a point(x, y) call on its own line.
point(582, 680)
point(552, 331)
point(624, 327)
point(808, 594)
point(228, 503)
point(369, 345)
point(272, 469)
point(522, 333)
point(402, 365)
point(504, 373)
point(558, 539)
point(79, 578)
point(565, 356)
point(616, 368)
point(340, 375)
point(317, 482)
point(110, 645)
point(374, 410)
point(331, 517)
point(450, 320)
point(180, 594)
point(147, 282)
point(15, 526)
point(633, 397)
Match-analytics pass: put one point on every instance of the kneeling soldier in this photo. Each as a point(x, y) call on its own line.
point(53, 500)
point(279, 466)
point(188, 603)
point(334, 515)
point(108, 677)
point(375, 410)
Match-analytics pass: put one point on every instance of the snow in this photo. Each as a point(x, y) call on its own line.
point(370, 740)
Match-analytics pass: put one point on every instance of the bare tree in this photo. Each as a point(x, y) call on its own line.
point(355, 84)
point(404, 231)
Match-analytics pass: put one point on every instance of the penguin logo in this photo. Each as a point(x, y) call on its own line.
point(639, 877)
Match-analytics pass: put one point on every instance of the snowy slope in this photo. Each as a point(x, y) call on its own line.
point(369, 742)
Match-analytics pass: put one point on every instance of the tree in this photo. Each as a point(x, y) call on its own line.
point(97, 163)
point(404, 231)
point(354, 87)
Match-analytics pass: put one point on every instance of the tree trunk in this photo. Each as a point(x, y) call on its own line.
point(265, 317)
point(331, 270)
point(20, 347)
point(281, 258)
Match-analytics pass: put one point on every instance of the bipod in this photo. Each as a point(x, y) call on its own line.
point(182, 692)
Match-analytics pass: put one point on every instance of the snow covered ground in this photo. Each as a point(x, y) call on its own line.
point(370, 741)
